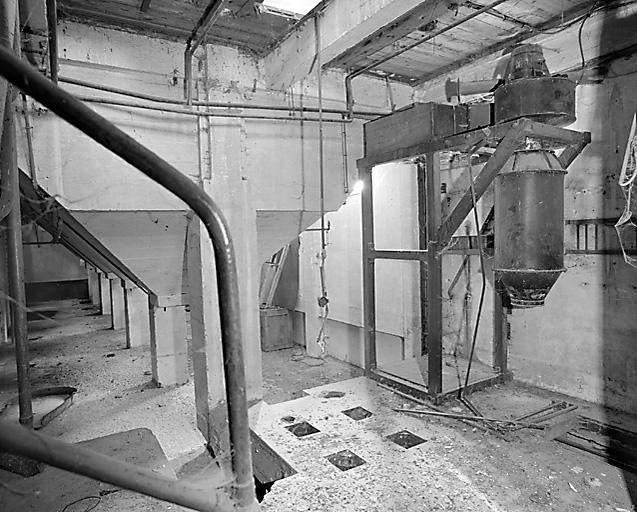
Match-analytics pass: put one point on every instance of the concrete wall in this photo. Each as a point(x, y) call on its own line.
point(583, 341)
point(51, 263)
point(397, 283)
point(48, 263)
point(278, 158)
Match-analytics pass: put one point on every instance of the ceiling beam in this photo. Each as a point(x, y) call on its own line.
point(423, 17)
point(506, 43)
point(342, 25)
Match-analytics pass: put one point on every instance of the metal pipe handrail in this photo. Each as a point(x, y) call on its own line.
point(105, 133)
point(71, 457)
point(349, 98)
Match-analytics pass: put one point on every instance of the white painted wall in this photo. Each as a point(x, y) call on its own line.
point(397, 283)
point(280, 159)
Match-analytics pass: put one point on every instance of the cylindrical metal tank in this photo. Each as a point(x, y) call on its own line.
point(529, 225)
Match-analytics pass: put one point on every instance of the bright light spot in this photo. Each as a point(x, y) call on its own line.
point(296, 6)
point(358, 187)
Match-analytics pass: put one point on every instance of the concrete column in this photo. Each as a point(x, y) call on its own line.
point(168, 349)
point(229, 186)
point(137, 317)
point(94, 286)
point(118, 307)
point(105, 295)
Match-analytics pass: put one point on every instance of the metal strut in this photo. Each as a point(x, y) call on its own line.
point(30, 81)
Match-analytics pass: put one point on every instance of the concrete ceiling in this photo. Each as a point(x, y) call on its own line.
point(445, 50)
point(244, 23)
point(252, 25)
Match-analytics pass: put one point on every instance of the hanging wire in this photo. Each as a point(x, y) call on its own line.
point(482, 289)
point(625, 225)
point(323, 301)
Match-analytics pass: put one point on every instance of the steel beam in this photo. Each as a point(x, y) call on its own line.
point(421, 183)
point(500, 355)
point(398, 255)
point(505, 149)
point(369, 269)
point(423, 14)
point(52, 25)
point(434, 275)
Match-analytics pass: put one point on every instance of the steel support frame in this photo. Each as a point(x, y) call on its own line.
point(435, 234)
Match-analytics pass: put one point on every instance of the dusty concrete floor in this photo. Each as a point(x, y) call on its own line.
point(456, 469)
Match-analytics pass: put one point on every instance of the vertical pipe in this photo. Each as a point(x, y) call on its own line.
point(52, 26)
point(15, 266)
point(29, 132)
point(8, 24)
point(319, 80)
point(345, 157)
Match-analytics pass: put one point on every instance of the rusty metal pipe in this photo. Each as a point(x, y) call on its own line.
point(7, 141)
point(199, 103)
point(15, 265)
point(108, 135)
point(77, 459)
point(8, 25)
point(197, 113)
point(52, 28)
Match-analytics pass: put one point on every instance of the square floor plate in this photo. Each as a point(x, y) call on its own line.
point(302, 429)
point(357, 413)
point(345, 460)
point(405, 439)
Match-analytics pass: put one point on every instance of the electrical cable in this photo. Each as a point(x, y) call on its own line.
point(483, 288)
point(323, 301)
point(89, 507)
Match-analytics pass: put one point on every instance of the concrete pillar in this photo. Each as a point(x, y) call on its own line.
point(137, 317)
point(118, 307)
point(94, 286)
point(105, 295)
point(168, 349)
point(228, 184)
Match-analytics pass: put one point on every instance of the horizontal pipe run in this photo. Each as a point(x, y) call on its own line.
point(77, 459)
point(219, 104)
point(28, 79)
point(196, 113)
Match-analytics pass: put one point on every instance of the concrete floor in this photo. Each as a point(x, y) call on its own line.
point(456, 468)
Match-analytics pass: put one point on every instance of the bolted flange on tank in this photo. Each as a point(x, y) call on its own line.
point(529, 226)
